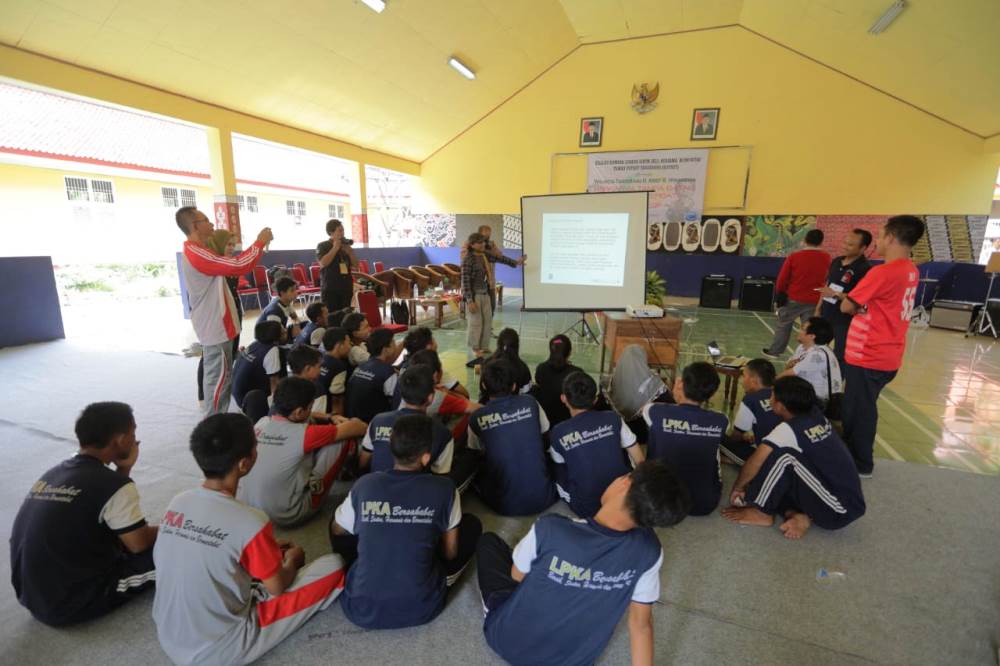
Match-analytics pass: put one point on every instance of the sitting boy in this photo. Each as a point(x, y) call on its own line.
point(335, 368)
point(404, 532)
point(297, 463)
point(258, 368)
point(802, 470)
point(373, 382)
point(422, 339)
point(814, 361)
point(359, 329)
point(587, 448)
point(559, 596)
point(514, 477)
point(80, 546)
point(754, 418)
point(306, 362)
point(451, 408)
point(312, 332)
point(687, 436)
point(282, 307)
point(228, 591)
point(417, 386)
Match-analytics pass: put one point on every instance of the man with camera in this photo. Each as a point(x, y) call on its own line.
point(337, 260)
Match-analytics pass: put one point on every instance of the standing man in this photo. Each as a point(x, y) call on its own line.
point(337, 260)
point(801, 276)
point(478, 290)
point(881, 304)
point(213, 310)
point(845, 273)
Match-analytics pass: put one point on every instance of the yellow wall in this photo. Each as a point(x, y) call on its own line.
point(822, 143)
point(39, 70)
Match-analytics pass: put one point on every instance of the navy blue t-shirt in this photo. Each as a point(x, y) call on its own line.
point(376, 441)
point(273, 309)
point(754, 414)
point(397, 396)
point(827, 459)
point(588, 451)
point(847, 277)
point(329, 369)
point(687, 437)
point(367, 389)
point(303, 337)
point(398, 516)
point(249, 372)
point(581, 577)
point(64, 545)
point(514, 478)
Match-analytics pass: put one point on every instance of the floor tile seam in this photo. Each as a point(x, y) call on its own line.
point(39, 431)
point(732, 622)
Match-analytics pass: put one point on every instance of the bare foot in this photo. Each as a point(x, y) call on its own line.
point(796, 526)
point(748, 515)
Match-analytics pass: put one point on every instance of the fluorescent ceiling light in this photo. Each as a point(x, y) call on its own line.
point(895, 9)
point(461, 68)
point(377, 5)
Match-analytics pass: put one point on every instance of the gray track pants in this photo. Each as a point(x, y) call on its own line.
point(218, 377)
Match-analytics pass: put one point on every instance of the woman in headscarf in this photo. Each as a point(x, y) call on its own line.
point(223, 243)
point(549, 376)
point(633, 385)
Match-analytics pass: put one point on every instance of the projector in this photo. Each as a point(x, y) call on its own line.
point(643, 311)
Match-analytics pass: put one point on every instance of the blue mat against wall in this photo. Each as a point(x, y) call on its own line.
point(30, 299)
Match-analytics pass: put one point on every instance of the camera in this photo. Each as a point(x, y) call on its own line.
point(347, 241)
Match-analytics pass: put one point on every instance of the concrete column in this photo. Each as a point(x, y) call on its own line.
point(359, 220)
point(226, 207)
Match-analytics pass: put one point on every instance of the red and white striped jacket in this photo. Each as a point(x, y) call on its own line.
point(213, 310)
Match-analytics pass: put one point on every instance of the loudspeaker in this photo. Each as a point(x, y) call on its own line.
point(716, 292)
point(953, 315)
point(757, 294)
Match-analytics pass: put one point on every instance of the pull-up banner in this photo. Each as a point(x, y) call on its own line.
point(675, 180)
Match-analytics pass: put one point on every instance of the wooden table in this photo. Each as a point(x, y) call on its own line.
point(732, 386)
point(661, 338)
point(437, 302)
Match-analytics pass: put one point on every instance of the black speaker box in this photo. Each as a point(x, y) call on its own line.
point(716, 292)
point(757, 294)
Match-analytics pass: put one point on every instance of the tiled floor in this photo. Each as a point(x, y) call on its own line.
point(942, 409)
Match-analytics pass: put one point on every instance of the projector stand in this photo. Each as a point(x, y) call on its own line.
point(984, 322)
point(582, 328)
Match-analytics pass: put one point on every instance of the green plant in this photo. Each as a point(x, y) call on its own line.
point(656, 288)
point(89, 285)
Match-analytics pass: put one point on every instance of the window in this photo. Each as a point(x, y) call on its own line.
point(290, 207)
point(247, 203)
point(76, 189)
point(337, 211)
point(170, 199)
point(103, 191)
point(189, 198)
point(295, 208)
point(81, 189)
point(302, 209)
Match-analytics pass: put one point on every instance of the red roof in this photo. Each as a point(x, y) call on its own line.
point(48, 125)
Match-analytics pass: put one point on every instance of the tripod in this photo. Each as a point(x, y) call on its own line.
point(984, 322)
point(583, 329)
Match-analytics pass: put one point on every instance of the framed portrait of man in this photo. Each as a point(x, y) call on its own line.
point(705, 124)
point(591, 130)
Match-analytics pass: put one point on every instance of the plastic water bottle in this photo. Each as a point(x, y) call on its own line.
point(414, 289)
point(829, 577)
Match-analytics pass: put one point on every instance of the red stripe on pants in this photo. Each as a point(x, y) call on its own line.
point(333, 472)
point(290, 603)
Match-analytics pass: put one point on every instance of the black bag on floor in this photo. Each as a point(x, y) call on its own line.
point(400, 313)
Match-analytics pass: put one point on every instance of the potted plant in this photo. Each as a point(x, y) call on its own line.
point(656, 289)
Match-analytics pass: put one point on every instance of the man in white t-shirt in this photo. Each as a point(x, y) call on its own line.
point(814, 361)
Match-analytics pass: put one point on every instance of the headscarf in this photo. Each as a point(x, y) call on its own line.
point(218, 240)
point(633, 383)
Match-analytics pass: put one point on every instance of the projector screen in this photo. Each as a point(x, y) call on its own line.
point(585, 251)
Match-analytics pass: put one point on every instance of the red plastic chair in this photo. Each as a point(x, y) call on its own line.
point(379, 266)
point(368, 305)
point(249, 289)
point(363, 266)
point(306, 291)
point(262, 281)
point(305, 274)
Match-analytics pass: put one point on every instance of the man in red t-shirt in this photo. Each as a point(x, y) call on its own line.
point(801, 276)
point(881, 304)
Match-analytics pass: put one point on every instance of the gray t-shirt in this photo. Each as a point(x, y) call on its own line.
point(279, 480)
point(209, 549)
point(812, 366)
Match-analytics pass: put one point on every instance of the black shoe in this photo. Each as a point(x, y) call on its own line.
point(768, 353)
point(479, 360)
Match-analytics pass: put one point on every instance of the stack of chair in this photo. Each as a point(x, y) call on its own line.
point(450, 278)
point(433, 278)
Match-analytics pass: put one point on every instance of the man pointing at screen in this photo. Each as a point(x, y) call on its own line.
point(478, 286)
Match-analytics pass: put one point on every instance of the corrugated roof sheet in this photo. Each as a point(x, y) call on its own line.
point(40, 122)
